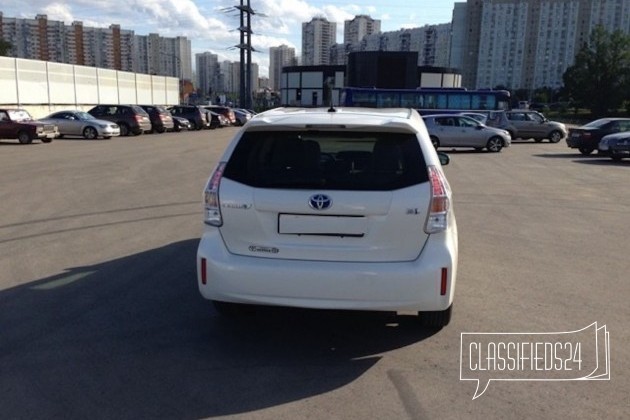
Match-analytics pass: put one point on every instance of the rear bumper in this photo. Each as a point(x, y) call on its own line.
point(390, 286)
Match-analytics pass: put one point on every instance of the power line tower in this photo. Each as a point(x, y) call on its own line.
point(245, 47)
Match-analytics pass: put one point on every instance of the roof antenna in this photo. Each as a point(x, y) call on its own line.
point(330, 82)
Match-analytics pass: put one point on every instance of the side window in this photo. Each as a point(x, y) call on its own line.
point(465, 122)
point(4, 116)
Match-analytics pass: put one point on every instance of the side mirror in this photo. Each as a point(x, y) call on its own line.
point(444, 158)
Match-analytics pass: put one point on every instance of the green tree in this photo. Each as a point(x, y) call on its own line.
point(5, 47)
point(600, 77)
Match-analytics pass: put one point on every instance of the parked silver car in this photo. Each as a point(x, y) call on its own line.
point(452, 130)
point(528, 124)
point(79, 123)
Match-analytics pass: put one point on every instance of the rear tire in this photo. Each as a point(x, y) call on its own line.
point(47, 140)
point(495, 144)
point(436, 319)
point(124, 130)
point(585, 150)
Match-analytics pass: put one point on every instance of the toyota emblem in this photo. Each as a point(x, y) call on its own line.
point(320, 202)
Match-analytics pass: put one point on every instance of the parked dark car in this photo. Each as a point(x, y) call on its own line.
point(586, 138)
point(161, 118)
point(16, 123)
point(617, 145)
point(226, 111)
point(195, 114)
point(215, 120)
point(131, 119)
point(181, 123)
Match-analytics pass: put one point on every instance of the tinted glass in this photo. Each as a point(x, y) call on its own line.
point(335, 160)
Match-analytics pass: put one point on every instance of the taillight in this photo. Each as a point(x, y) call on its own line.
point(437, 219)
point(138, 117)
point(211, 203)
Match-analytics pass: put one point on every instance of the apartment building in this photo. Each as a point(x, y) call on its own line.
point(279, 57)
point(318, 36)
point(431, 42)
point(111, 47)
point(163, 56)
point(526, 44)
point(208, 74)
point(230, 77)
point(359, 27)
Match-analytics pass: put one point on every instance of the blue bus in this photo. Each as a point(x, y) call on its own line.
point(428, 100)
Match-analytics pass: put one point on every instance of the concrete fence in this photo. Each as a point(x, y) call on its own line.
point(42, 87)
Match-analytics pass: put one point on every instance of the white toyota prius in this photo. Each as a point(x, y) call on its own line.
point(345, 208)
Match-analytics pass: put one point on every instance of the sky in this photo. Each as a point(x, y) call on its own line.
point(211, 25)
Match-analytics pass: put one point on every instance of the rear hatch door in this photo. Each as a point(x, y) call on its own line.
point(326, 195)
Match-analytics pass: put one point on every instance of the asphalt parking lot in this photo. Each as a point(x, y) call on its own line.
point(100, 316)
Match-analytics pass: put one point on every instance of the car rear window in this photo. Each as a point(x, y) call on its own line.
point(335, 160)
